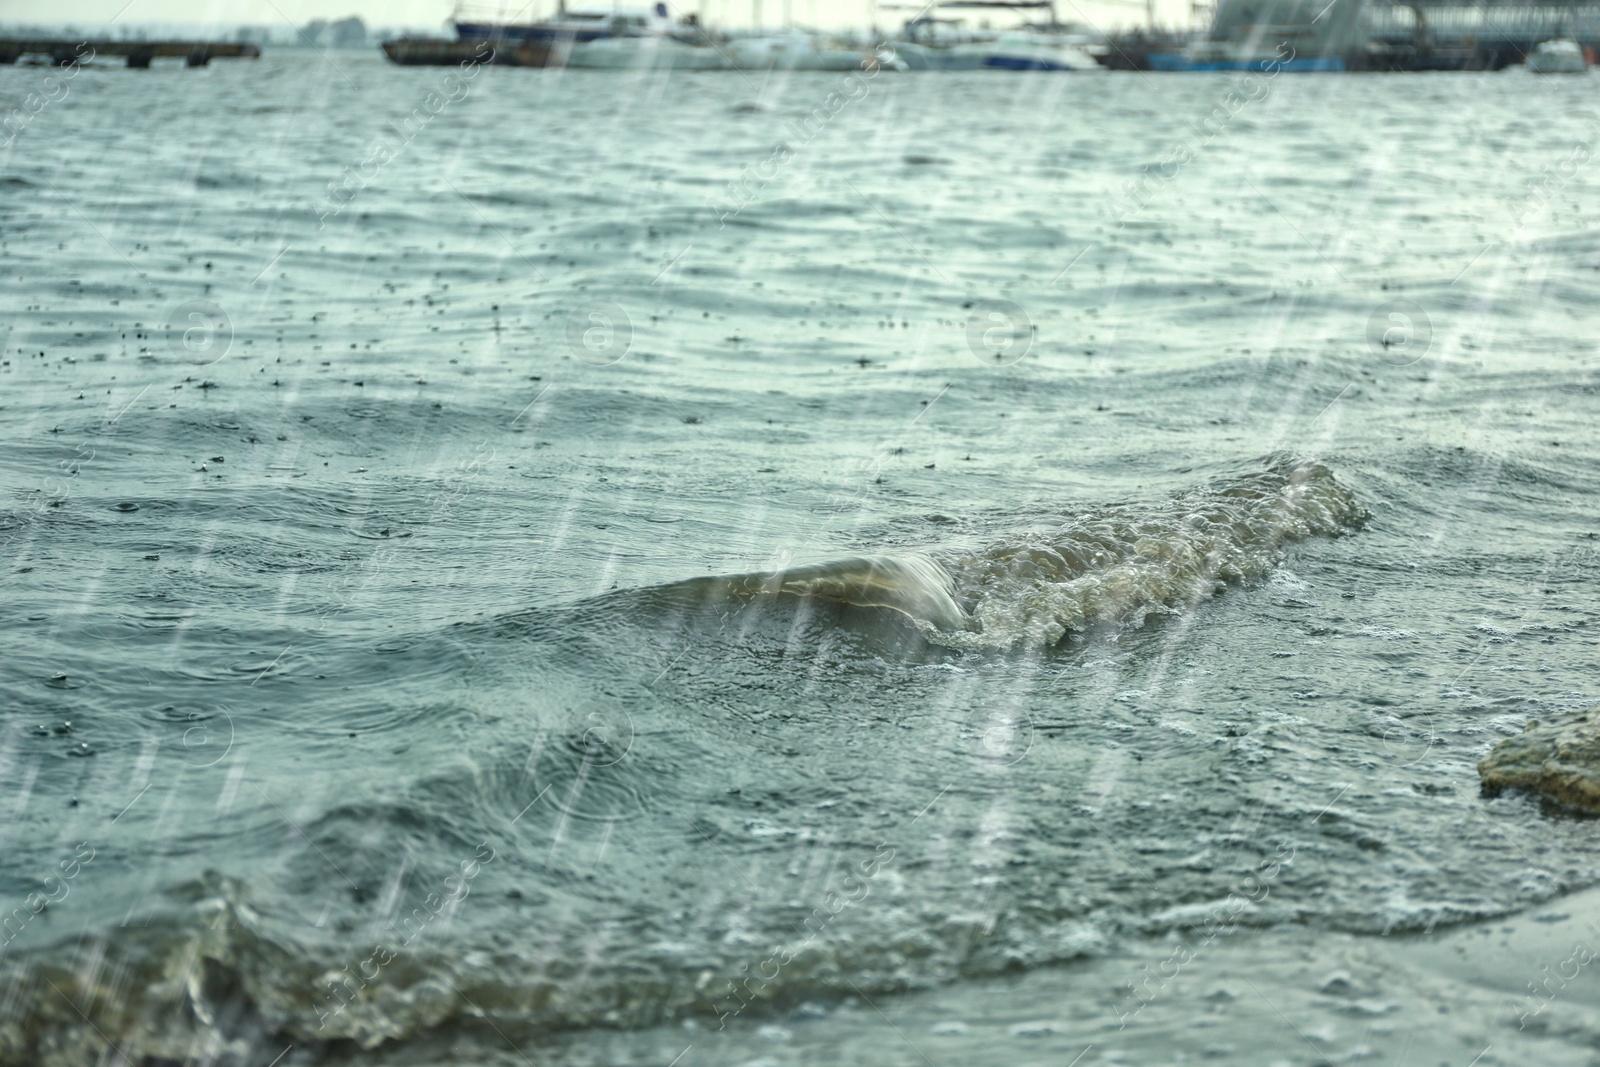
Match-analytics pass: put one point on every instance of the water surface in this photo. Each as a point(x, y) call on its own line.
point(1153, 566)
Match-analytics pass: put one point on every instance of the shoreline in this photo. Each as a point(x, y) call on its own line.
point(1275, 996)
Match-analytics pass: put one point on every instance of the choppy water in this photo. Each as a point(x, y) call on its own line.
point(369, 693)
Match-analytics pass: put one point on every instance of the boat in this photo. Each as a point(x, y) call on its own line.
point(797, 51)
point(568, 27)
point(607, 40)
point(1198, 58)
point(917, 56)
point(439, 52)
point(929, 41)
point(1032, 49)
point(657, 52)
point(1560, 56)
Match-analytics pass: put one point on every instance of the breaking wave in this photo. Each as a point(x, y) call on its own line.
point(228, 971)
point(1114, 565)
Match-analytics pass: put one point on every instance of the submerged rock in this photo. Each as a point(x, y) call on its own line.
point(1559, 757)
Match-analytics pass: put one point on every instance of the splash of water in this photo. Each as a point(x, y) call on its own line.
point(1113, 565)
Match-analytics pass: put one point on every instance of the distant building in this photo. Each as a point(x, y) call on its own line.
point(346, 33)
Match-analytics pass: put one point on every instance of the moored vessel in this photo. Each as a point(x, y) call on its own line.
point(1560, 56)
point(797, 51)
point(567, 27)
point(654, 52)
point(1033, 49)
point(932, 41)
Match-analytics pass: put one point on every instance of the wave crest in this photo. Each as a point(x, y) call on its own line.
point(1123, 563)
point(1114, 565)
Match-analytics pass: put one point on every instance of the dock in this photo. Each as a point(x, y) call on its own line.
point(64, 51)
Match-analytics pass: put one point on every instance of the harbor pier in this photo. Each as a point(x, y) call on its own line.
point(60, 52)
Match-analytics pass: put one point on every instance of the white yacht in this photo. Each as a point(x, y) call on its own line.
point(1561, 56)
point(655, 52)
point(618, 39)
point(933, 40)
point(796, 51)
point(930, 41)
point(567, 27)
point(1032, 49)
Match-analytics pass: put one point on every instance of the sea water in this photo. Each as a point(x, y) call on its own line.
point(535, 566)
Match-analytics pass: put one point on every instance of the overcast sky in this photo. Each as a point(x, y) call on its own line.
point(425, 13)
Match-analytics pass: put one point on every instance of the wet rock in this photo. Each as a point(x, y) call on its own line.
point(1558, 757)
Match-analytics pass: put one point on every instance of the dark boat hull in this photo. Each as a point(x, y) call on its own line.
point(532, 33)
point(435, 52)
point(1299, 64)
